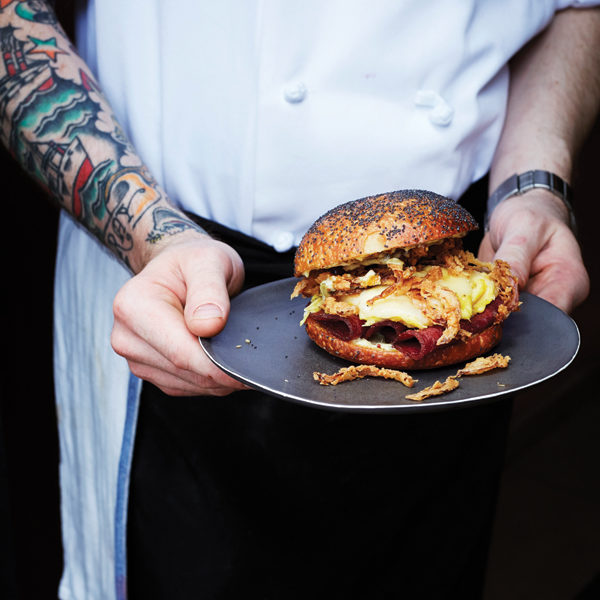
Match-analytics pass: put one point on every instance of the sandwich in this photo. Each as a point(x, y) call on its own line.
point(390, 284)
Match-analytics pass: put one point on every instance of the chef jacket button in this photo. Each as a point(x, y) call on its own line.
point(295, 92)
point(283, 241)
point(440, 112)
point(427, 98)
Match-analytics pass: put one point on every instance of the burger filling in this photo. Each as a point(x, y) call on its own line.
point(412, 300)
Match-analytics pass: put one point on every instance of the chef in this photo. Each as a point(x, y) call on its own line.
point(247, 121)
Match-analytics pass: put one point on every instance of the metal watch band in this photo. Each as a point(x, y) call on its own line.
point(519, 184)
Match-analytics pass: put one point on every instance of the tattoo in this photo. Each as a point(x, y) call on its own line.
point(47, 47)
point(58, 125)
point(169, 222)
point(34, 11)
point(129, 195)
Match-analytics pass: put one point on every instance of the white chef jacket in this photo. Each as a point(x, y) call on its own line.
point(261, 115)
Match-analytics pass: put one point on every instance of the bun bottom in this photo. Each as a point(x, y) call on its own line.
point(448, 354)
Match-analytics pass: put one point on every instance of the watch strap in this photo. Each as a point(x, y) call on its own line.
point(520, 183)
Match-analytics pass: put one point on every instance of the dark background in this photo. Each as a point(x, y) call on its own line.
point(561, 410)
point(540, 549)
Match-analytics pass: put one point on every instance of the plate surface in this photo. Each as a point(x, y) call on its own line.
point(264, 346)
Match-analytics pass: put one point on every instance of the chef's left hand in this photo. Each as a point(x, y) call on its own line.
point(532, 234)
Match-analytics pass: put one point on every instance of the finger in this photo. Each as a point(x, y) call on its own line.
point(486, 250)
point(148, 364)
point(175, 386)
point(520, 245)
point(550, 291)
point(560, 278)
point(207, 296)
point(170, 346)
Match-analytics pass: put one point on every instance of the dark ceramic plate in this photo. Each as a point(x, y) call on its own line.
point(264, 346)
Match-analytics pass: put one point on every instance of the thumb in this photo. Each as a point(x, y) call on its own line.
point(207, 301)
point(211, 272)
point(208, 317)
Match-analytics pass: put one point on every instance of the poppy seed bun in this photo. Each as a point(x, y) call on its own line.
point(377, 224)
point(448, 354)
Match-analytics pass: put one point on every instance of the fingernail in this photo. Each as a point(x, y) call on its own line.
point(208, 311)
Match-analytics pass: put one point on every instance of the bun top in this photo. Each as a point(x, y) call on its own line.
point(381, 223)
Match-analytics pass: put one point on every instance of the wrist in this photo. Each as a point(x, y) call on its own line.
point(164, 227)
point(525, 183)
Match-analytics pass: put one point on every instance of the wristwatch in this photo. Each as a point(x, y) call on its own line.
point(519, 184)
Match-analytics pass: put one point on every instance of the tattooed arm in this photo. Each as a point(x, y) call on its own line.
point(57, 124)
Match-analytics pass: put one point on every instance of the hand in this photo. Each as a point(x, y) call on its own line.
point(181, 294)
point(530, 232)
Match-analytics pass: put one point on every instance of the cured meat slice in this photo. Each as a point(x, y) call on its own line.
point(416, 343)
point(389, 330)
point(484, 319)
point(346, 328)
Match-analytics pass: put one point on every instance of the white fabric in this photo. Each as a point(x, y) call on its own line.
point(262, 115)
point(91, 383)
point(202, 86)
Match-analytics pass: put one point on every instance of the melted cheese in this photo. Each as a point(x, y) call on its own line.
point(395, 308)
point(474, 290)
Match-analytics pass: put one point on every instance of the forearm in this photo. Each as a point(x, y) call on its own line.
point(554, 98)
point(57, 124)
point(553, 101)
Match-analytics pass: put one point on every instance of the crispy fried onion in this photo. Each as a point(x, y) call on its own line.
point(420, 283)
point(483, 364)
point(332, 307)
point(437, 389)
point(359, 371)
point(480, 365)
point(508, 287)
point(344, 283)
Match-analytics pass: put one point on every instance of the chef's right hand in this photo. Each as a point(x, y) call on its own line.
point(531, 233)
point(182, 293)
